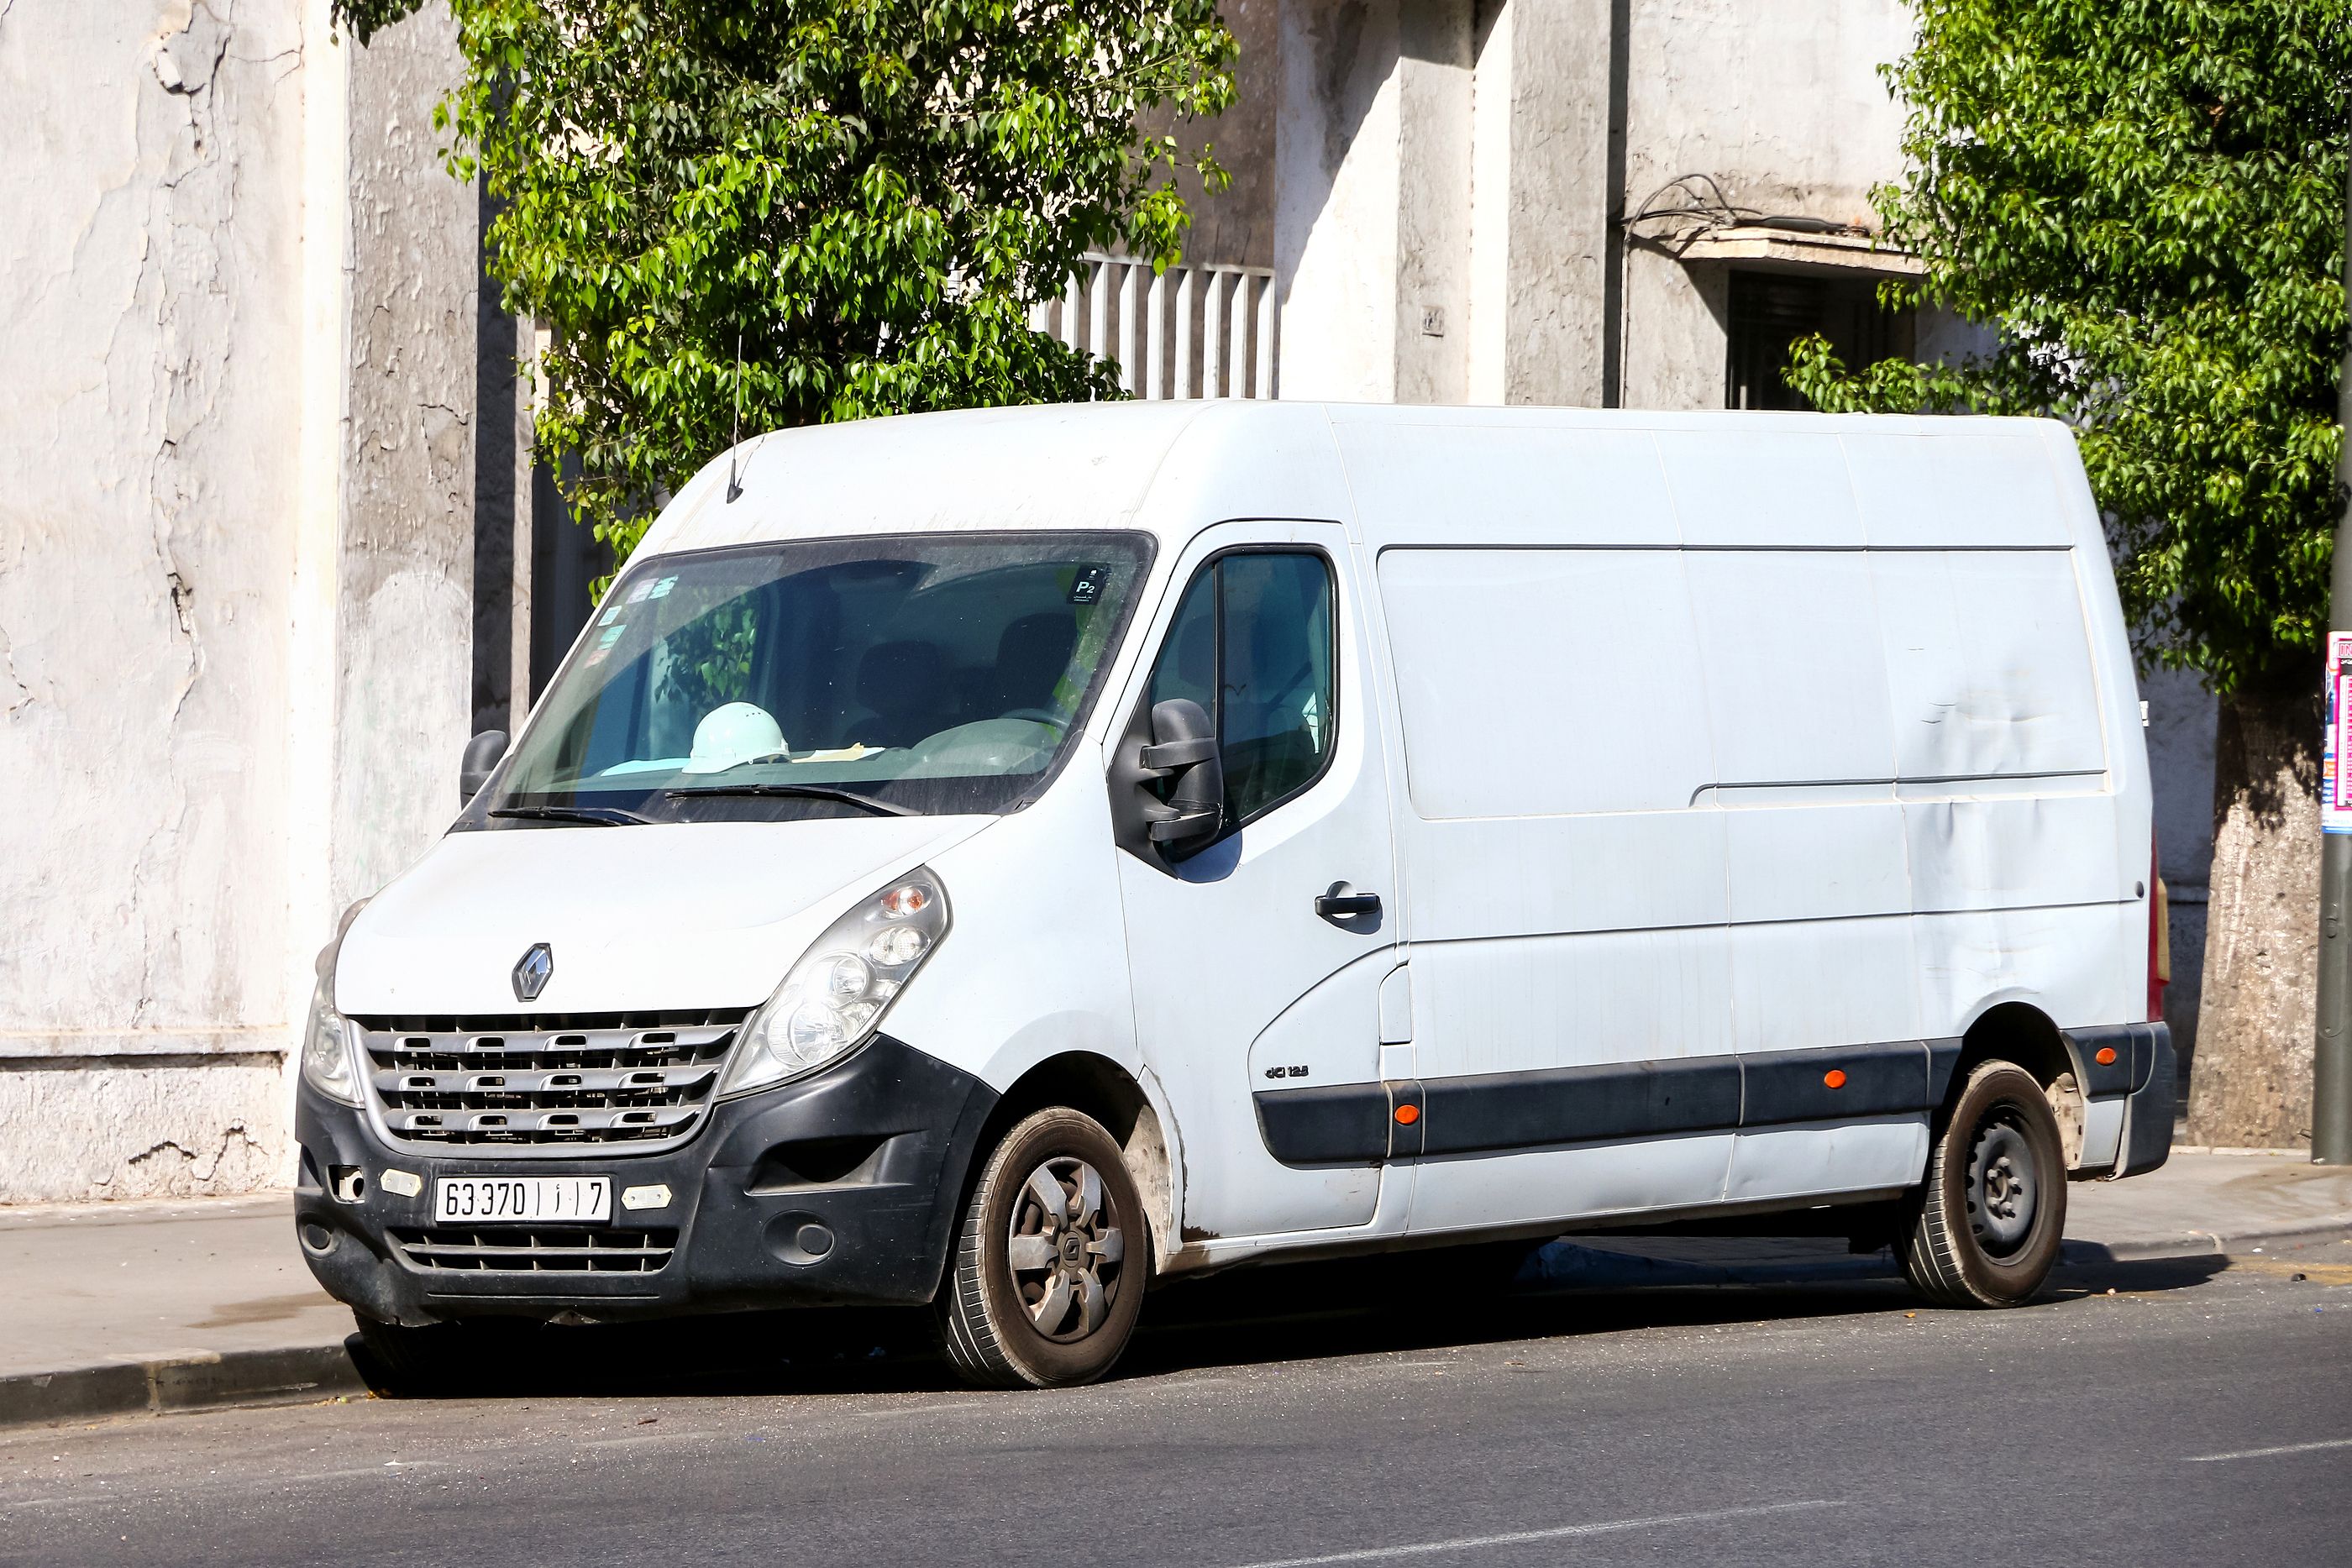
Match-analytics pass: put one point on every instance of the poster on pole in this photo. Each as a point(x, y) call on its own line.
point(2335, 777)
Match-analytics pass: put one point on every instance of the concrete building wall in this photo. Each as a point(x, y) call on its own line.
point(1783, 107)
point(1235, 227)
point(1547, 148)
point(148, 391)
point(404, 557)
point(237, 402)
point(1338, 143)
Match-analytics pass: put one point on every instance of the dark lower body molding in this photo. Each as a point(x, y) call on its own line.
point(1364, 1123)
point(1358, 1123)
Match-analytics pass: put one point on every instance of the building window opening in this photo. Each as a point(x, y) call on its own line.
point(1770, 310)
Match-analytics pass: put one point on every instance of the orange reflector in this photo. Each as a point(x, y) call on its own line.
point(1408, 1114)
point(2106, 1056)
point(1834, 1078)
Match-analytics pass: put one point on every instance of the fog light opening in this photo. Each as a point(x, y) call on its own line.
point(799, 1239)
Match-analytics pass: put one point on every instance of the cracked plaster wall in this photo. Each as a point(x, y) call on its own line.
point(152, 236)
point(404, 614)
point(129, 1128)
point(151, 413)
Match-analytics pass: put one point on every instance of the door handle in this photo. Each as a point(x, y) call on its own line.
point(1340, 903)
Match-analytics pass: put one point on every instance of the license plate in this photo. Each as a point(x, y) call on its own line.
point(524, 1199)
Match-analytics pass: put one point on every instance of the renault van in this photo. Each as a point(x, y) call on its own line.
point(998, 859)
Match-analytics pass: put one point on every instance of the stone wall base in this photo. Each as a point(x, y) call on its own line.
point(84, 1130)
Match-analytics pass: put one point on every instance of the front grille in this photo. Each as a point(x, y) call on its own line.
point(533, 1250)
point(546, 1084)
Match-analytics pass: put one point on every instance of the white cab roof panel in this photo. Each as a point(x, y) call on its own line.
point(1407, 474)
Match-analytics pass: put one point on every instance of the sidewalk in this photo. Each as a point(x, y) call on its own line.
point(161, 1305)
point(114, 1308)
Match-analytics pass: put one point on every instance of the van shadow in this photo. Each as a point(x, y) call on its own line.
point(1573, 1290)
point(1266, 1316)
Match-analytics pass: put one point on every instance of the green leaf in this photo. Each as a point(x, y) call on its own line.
point(2145, 200)
point(869, 193)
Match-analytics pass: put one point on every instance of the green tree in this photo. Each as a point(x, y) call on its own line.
point(868, 195)
point(2143, 199)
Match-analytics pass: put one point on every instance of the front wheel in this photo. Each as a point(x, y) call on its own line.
point(1986, 1223)
point(1050, 1258)
point(443, 1361)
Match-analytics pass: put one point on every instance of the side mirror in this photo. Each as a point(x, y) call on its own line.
point(1182, 746)
point(481, 760)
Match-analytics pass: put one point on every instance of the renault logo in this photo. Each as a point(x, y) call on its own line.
point(532, 971)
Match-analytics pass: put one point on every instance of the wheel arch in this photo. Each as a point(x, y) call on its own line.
point(2023, 1035)
point(1085, 1081)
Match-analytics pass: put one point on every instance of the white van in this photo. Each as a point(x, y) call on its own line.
point(998, 859)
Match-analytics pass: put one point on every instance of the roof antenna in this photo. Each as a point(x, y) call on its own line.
point(735, 489)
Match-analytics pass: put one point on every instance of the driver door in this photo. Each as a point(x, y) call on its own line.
point(1257, 1007)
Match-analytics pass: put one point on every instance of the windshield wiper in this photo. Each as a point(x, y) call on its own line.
point(804, 792)
point(595, 816)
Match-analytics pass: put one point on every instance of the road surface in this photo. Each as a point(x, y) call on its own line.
point(2146, 1413)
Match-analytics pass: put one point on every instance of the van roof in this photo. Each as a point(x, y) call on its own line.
point(1397, 471)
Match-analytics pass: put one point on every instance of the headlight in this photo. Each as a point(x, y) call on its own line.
point(326, 1038)
point(834, 999)
point(326, 1047)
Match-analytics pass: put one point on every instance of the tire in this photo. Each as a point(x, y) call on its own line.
point(1045, 1300)
point(1986, 1224)
point(443, 1361)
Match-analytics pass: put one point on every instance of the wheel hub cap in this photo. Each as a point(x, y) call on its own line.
point(2003, 1187)
point(1066, 1249)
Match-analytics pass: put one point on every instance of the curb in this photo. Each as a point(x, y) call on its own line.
point(2205, 1243)
point(283, 1376)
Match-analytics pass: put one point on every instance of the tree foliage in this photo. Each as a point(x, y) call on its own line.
point(869, 195)
point(2145, 200)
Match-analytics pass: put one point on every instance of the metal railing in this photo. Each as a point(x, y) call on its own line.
point(1187, 332)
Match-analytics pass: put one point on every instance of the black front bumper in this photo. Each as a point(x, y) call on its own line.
point(840, 1188)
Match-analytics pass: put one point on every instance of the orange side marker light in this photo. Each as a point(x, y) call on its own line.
point(2105, 1056)
point(1407, 1115)
point(1834, 1078)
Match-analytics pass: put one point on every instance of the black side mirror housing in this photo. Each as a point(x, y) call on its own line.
point(481, 760)
point(1180, 744)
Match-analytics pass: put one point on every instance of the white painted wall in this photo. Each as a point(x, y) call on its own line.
point(1337, 190)
point(235, 571)
point(151, 246)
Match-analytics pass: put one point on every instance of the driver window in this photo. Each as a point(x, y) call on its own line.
point(1253, 644)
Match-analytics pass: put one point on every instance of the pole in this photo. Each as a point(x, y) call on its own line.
point(2331, 1056)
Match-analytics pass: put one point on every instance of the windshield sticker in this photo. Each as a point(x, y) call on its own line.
point(604, 647)
point(1088, 586)
point(610, 616)
point(661, 588)
point(638, 594)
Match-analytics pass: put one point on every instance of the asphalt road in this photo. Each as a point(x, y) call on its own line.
point(2197, 1414)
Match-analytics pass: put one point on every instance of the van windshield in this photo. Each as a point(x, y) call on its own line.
point(925, 674)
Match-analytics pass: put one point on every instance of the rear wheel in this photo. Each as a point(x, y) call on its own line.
point(1050, 1258)
point(1986, 1222)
